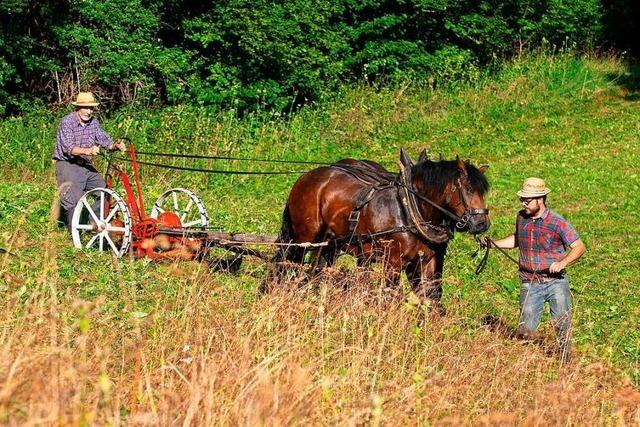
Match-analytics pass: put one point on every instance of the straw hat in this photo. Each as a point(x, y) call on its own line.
point(533, 187)
point(85, 99)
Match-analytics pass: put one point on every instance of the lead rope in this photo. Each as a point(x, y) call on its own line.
point(483, 262)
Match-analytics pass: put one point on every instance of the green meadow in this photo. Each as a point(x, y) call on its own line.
point(107, 328)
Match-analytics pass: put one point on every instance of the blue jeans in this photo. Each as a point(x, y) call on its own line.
point(556, 292)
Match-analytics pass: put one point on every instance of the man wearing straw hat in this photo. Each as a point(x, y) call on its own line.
point(542, 238)
point(79, 138)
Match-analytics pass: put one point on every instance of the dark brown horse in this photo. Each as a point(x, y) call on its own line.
point(360, 207)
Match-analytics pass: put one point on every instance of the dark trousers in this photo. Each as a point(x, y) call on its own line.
point(74, 180)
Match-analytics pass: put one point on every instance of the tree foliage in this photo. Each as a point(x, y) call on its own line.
point(242, 54)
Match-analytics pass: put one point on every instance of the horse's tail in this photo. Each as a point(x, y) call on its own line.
point(287, 235)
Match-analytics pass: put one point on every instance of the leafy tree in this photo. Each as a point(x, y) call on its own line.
point(260, 52)
point(114, 46)
point(265, 54)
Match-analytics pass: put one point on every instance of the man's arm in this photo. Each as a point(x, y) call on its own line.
point(576, 250)
point(105, 141)
point(85, 151)
point(102, 138)
point(508, 242)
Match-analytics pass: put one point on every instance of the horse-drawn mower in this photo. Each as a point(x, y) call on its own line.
point(177, 227)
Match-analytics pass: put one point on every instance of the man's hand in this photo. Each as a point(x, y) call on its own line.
point(119, 145)
point(485, 242)
point(557, 267)
point(93, 150)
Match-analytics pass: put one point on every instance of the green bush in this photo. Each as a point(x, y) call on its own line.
point(266, 55)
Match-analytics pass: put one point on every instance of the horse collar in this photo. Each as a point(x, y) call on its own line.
point(430, 232)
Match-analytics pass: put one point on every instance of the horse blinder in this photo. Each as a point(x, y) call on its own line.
point(468, 212)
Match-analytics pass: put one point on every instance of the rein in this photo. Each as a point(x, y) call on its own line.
point(241, 159)
point(448, 213)
point(483, 262)
point(216, 171)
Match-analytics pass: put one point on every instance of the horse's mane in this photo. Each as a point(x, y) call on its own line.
point(443, 172)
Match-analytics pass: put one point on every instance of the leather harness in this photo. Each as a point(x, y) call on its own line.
point(377, 179)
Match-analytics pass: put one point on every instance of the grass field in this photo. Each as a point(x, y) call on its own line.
point(89, 339)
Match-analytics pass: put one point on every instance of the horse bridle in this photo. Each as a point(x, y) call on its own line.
point(468, 213)
point(465, 201)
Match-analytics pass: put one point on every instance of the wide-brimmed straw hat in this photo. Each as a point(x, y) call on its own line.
point(85, 99)
point(533, 187)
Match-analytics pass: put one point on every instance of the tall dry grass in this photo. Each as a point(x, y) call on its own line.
point(85, 339)
point(335, 352)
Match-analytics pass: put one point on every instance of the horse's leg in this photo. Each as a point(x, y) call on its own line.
point(366, 257)
point(324, 256)
point(288, 253)
point(425, 276)
point(392, 266)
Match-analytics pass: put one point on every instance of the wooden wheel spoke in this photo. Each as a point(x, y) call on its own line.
point(84, 227)
point(92, 241)
point(176, 207)
point(91, 212)
point(101, 206)
point(111, 214)
point(113, 245)
point(186, 210)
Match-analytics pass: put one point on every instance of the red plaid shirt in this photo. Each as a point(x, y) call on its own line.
point(541, 242)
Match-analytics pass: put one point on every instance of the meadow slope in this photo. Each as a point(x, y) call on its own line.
point(90, 339)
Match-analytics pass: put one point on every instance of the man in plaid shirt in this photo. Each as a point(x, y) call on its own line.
point(542, 238)
point(79, 138)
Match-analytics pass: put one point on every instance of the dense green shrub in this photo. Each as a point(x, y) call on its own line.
point(273, 55)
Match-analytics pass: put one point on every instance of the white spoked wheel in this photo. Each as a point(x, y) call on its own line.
point(101, 220)
point(183, 203)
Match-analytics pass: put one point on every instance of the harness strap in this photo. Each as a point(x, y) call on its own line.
point(367, 173)
point(425, 229)
point(368, 237)
point(374, 178)
point(451, 215)
point(379, 180)
point(362, 199)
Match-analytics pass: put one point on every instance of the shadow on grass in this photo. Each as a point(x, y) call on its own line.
point(500, 327)
point(629, 81)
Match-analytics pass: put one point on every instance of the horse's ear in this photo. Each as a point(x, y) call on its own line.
point(483, 169)
point(461, 166)
point(423, 155)
point(405, 159)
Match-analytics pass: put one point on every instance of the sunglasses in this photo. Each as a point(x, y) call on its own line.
point(526, 201)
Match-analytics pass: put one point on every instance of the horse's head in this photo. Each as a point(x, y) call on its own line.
point(457, 187)
point(467, 197)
